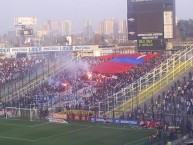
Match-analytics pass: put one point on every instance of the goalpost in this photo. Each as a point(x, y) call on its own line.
point(2, 111)
point(21, 113)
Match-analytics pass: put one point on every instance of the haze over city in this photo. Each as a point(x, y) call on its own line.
point(76, 11)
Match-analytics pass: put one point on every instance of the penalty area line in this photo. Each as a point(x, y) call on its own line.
point(59, 134)
point(40, 124)
point(15, 138)
point(11, 124)
point(118, 128)
point(129, 143)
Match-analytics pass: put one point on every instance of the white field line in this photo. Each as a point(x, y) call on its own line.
point(87, 127)
point(105, 127)
point(11, 119)
point(118, 128)
point(132, 128)
point(23, 125)
point(21, 139)
point(59, 134)
point(15, 138)
point(11, 124)
point(40, 124)
point(129, 143)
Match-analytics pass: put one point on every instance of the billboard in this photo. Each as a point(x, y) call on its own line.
point(168, 24)
point(24, 32)
point(150, 22)
point(25, 21)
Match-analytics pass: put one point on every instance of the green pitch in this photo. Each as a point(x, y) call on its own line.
point(20, 132)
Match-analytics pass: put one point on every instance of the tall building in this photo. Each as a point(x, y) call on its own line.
point(54, 26)
point(11, 37)
point(100, 27)
point(123, 27)
point(122, 36)
point(66, 28)
point(109, 28)
point(88, 29)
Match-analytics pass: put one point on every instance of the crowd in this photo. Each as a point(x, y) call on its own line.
point(176, 102)
point(173, 107)
point(17, 72)
point(15, 68)
point(77, 88)
point(107, 85)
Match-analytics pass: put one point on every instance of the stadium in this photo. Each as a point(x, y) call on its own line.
point(139, 94)
point(124, 98)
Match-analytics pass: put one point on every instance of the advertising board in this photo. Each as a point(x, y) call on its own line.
point(24, 32)
point(117, 121)
point(25, 21)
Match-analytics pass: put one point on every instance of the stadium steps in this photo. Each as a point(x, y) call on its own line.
point(28, 85)
point(16, 84)
point(146, 93)
point(38, 81)
point(80, 94)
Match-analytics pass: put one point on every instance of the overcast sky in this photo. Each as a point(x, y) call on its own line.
point(75, 10)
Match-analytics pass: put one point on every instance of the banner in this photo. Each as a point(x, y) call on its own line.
point(59, 115)
point(2, 112)
point(150, 124)
point(22, 21)
point(85, 118)
point(118, 121)
point(56, 120)
point(45, 49)
point(11, 113)
point(78, 115)
point(79, 112)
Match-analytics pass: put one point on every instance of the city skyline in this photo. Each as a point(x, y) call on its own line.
point(77, 12)
point(65, 27)
point(86, 27)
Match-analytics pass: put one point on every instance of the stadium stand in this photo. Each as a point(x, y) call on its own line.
point(88, 81)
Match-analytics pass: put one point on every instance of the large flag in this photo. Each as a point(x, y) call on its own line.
point(120, 63)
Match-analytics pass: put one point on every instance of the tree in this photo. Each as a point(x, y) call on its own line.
point(186, 28)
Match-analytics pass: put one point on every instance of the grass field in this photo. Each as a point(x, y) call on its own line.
point(20, 132)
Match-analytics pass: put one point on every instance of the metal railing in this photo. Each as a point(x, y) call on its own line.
point(139, 91)
point(23, 80)
point(41, 79)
